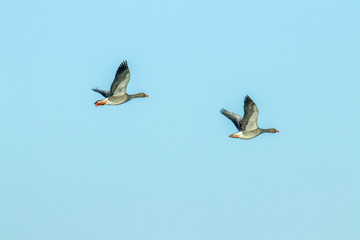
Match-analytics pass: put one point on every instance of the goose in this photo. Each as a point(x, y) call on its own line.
point(117, 94)
point(247, 125)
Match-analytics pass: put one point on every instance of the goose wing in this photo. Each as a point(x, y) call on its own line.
point(249, 121)
point(102, 92)
point(236, 119)
point(122, 78)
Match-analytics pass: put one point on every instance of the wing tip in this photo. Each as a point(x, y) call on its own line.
point(123, 67)
point(247, 99)
point(123, 64)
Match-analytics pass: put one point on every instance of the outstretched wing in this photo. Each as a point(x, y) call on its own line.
point(249, 122)
point(102, 92)
point(122, 78)
point(236, 119)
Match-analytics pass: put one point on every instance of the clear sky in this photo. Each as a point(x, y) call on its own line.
point(163, 167)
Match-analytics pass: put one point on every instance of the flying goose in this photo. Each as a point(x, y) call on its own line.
point(247, 125)
point(117, 94)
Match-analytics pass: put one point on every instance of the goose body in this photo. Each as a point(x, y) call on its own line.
point(247, 125)
point(117, 94)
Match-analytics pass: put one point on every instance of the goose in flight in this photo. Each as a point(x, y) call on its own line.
point(247, 125)
point(117, 94)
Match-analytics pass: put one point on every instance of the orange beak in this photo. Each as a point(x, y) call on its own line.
point(276, 131)
point(233, 136)
point(146, 95)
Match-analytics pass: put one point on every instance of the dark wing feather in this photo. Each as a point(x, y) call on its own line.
point(249, 122)
point(122, 78)
point(102, 92)
point(236, 119)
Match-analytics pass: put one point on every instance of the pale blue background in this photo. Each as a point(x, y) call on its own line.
point(164, 167)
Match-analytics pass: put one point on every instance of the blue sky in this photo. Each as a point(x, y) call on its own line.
point(164, 167)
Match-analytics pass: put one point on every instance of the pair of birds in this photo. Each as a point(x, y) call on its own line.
point(246, 125)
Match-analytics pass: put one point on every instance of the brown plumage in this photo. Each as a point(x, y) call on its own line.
point(117, 94)
point(247, 125)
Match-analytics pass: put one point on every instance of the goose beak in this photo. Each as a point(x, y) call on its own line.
point(276, 130)
point(146, 95)
point(233, 136)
